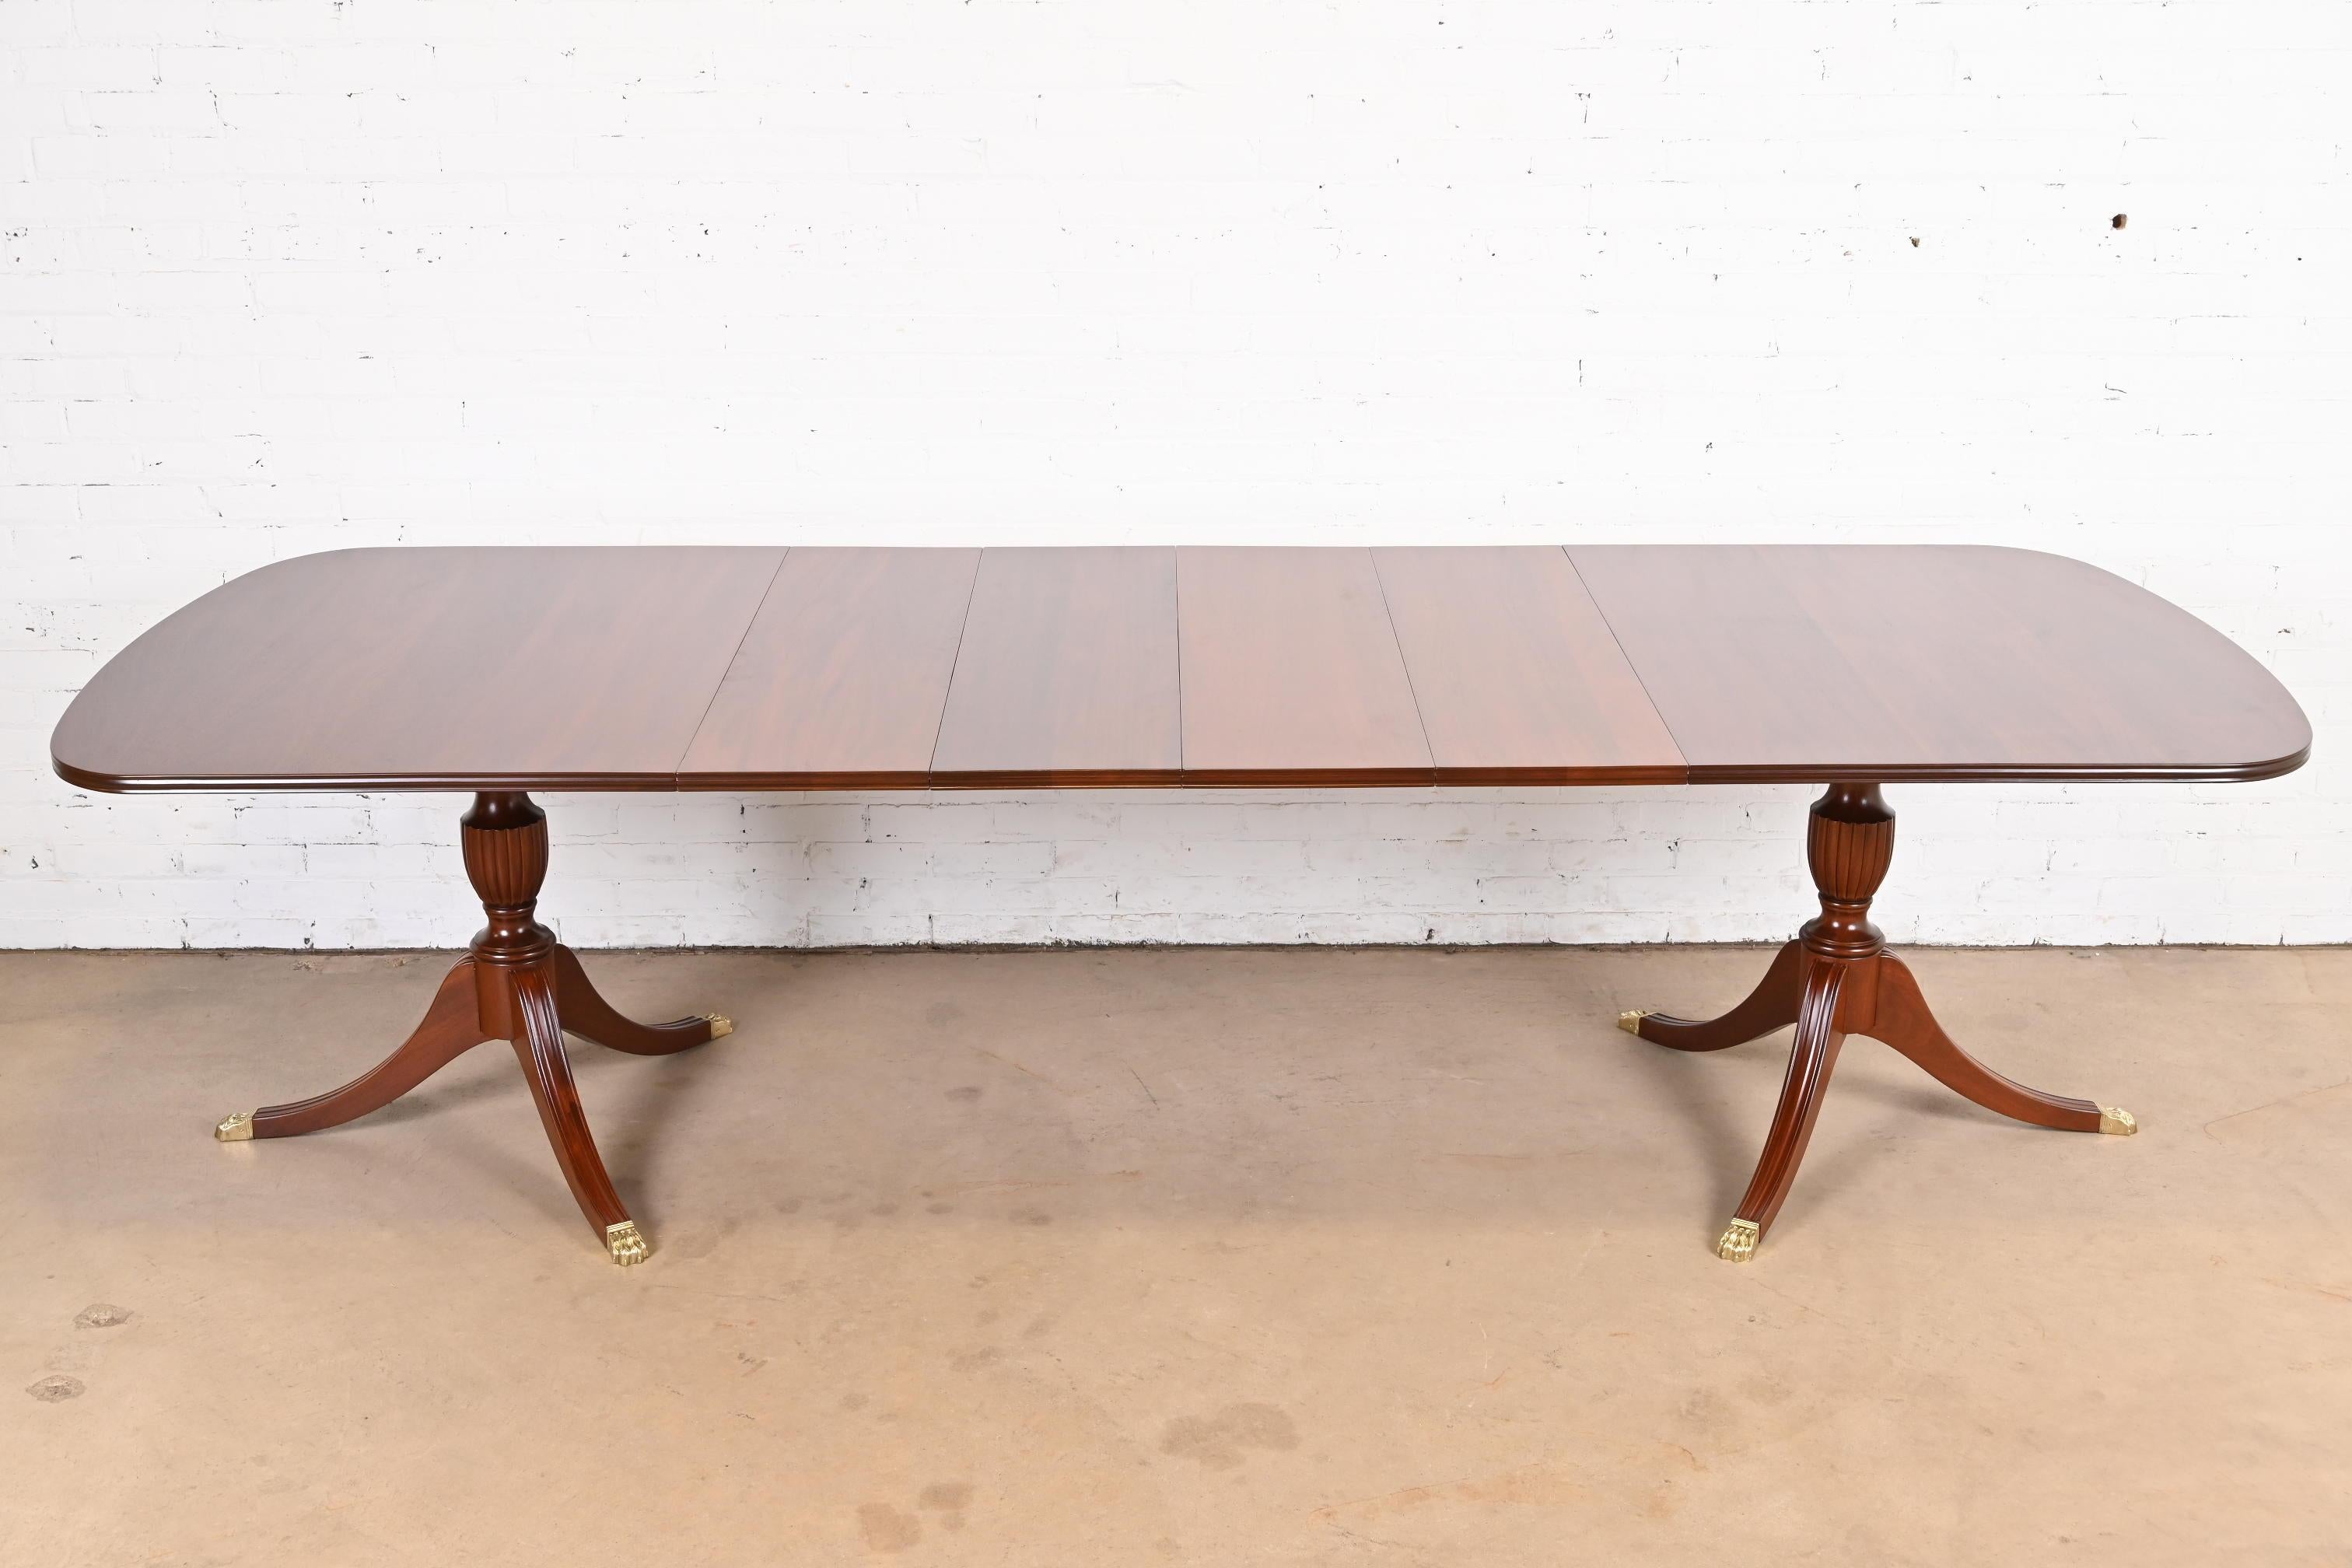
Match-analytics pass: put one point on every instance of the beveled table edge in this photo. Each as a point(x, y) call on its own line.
point(1998, 773)
point(346, 783)
point(1307, 777)
point(901, 783)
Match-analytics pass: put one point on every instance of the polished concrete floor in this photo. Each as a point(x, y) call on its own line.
point(1193, 1256)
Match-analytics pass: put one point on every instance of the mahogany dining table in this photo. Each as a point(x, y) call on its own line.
point(499, 671)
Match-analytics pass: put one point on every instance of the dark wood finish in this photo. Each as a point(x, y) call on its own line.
point(1771, 1006)
point(1291, 672)
point(517, 983)
point(1902, 1021)
point(1849, 844)
point(504, 841)
point(538, 1039)
point(586, 1013)
point(1068, 673)
point(451, 1027)
point(1812, 1058)
point(717, 668)
point(1837, 978)
point(503, 670)
point(1804, 662)
point(554, 668)
point(1516, 678)
point(843, 675)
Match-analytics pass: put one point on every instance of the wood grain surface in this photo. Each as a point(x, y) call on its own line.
point(1518, 679)
point(897, 668)
point(1951, 662)
point(1068, 673)
point(1291, 671)
point(424, 668)
point(843, 675)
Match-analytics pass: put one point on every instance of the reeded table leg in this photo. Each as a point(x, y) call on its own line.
point(1811, 1059)
point(517, 983)
point(1903, 1022)
point(452, 1026)
point(547, 1068)
point(589, 1016)
point(1771, 1006)
point(1837, 978)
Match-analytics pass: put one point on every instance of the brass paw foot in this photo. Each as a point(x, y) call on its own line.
point(721, 1024)
point(1737, 1242)
point(2115, 1119)
point(626, 1243)
point(234, 1129)
point(1631, 1021)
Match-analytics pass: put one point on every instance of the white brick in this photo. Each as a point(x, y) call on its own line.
point(280, 280)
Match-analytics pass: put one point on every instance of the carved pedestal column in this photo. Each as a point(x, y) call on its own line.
point(518, 984)
point(1837, 978)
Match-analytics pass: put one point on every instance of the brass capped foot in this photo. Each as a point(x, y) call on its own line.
point(2115, 1119)
point(1737, 1242)
point(626, 1243)
point(721, 1024)
point(1630, 1021)
point(234, 1129)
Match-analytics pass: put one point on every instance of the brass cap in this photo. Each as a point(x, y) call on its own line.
point(626, 1243)
point(1630, 1021)
point(234, 1129)
point(1737, 1242)
point(2115, 1119)
point(720, 1024)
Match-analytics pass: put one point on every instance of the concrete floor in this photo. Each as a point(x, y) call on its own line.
point(1195, 1257)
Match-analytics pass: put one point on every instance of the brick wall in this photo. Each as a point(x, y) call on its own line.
point(281, 277)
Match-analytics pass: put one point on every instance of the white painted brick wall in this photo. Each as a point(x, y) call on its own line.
point(277, 275)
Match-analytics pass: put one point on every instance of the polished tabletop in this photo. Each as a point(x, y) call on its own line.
point(721, 667)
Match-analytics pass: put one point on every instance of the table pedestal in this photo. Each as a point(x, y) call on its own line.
point(1837, 978)
point(517, 983)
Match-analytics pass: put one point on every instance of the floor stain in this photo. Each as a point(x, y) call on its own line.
point(1219, 1441)
point(948, 1500)
point(101, 1315)
point(56, 1387)
point(1530, 1485)
point(885, 1529)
